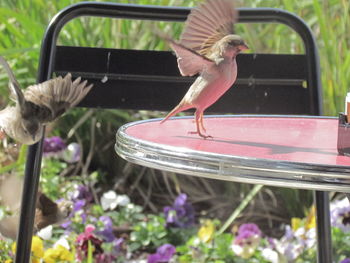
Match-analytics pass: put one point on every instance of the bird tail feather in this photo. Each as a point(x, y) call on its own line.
point(180, 107)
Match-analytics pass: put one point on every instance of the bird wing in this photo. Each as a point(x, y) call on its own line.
point(189, 61)
point(207, 24)
point(15, 91)
point(54, 97)
point(46, 205)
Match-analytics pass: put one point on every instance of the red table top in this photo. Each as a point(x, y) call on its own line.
point(291, 139)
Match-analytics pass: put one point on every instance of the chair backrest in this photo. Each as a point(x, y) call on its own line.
point(267, 83)
point(150, 80)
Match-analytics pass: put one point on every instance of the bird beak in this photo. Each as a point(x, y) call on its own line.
point(243, 47)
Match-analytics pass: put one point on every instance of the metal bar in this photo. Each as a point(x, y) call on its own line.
point(324, 240)
point(311, 51)
point(28, 204)
point(157, 78)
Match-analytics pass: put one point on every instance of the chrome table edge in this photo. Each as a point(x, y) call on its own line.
point(232, 168)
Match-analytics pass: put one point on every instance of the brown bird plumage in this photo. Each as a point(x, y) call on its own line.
point(207, 46)
point(38, 105)
point(47, 212)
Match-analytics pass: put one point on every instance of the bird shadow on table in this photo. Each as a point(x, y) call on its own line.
point(274, 148)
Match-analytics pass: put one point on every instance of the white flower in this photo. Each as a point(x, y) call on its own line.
point(72, 153)
point(270, 255)
point(123, 200)
point(45, 233)
point(63, 242)
point(110, 200)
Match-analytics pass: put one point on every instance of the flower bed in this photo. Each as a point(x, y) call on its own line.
point(110, 228)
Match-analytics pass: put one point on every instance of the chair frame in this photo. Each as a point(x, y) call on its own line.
point(175, 14)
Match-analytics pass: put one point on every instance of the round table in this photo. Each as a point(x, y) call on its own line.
point(286, 151)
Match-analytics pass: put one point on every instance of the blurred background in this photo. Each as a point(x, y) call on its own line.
point(22, 26)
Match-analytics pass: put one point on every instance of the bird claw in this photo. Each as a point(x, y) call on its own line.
point(201, 135)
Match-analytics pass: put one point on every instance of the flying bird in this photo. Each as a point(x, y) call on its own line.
point(38, 105)
point(208, 47)
point(47, 212)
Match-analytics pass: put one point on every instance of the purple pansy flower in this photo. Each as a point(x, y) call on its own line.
point(246, 233)
point(53, 145)
point(181, 214)
point(117, 245)
point(84, 193)
point(340, 215)
point(107, 231)
point(78, 205)
point(108, 236)
point(250, 228)
point(247, 240)
point(347, 260)
point(164, 254)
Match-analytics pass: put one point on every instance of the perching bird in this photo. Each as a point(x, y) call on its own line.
point(38, 105)
point(47, 212)
point(207, 46)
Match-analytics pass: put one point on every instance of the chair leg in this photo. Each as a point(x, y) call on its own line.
point(324, 239)
point(30, 189)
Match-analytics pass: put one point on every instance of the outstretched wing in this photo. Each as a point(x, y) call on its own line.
point(189, 61)
point(207, 24)
point(54, 97)
point(15, 91)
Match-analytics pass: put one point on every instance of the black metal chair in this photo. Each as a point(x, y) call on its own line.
point(289, 85)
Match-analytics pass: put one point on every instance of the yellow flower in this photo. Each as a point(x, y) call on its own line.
point(50, 256)
point(58, 253)
point(64, 253)
point(296, 223)
point(207, 231)
point(37, 249)
point(14, 247)
point(8, 261)
point(311, 219)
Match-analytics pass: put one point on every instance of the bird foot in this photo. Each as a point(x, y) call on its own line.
point(201, 135)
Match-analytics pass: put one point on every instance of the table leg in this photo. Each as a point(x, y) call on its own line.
point(324, 239)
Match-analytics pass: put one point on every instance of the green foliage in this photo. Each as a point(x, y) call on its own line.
point(51, 181)
point(127, 215)
point(4, 247)
point(340, 243)
point(149, 233)
point(218, 250)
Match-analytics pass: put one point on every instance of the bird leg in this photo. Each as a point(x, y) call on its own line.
point(199, 125)
point(201, 122)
